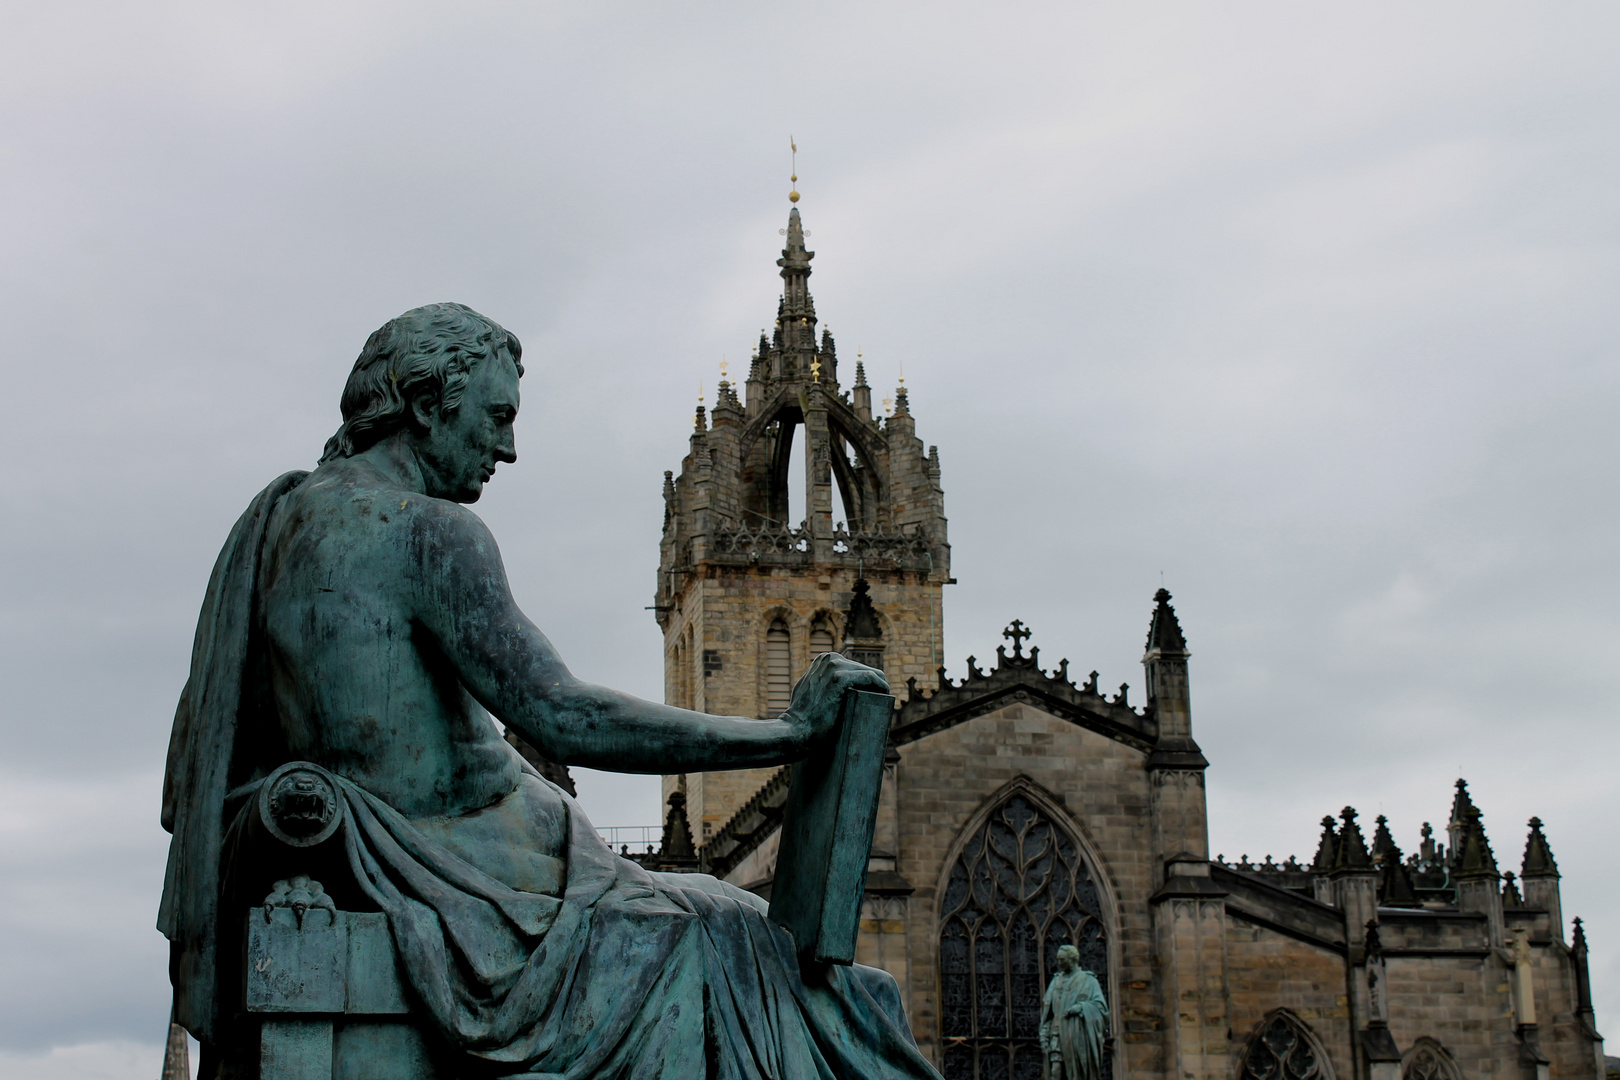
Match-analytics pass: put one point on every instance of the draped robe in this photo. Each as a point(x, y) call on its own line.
point(1078, 1038)
point(623, 975)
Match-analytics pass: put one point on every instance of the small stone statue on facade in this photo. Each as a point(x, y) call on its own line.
point(1073, 1018)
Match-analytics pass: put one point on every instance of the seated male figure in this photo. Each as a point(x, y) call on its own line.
point(364, 615)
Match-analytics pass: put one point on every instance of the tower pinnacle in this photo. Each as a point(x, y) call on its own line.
point(759, 571)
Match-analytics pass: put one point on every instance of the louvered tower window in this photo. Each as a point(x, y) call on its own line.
point(821, 639)
point(778, 669)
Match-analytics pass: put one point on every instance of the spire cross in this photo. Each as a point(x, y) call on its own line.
point(1017, 633)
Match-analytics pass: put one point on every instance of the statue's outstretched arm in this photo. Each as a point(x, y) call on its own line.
point(508, 665)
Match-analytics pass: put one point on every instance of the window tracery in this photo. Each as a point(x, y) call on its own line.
point(1019, 890)
point(1428, 1060)
point(1284, 1049)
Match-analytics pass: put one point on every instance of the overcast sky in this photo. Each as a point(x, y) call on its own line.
point(1309, 308)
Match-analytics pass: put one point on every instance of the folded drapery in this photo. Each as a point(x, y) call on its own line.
point(626, 974)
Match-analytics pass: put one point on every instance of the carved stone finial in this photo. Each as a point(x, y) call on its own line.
point(1327, 851)
point(1538, 856)
point(1352, 853)
point(861, 621)
point(1476, 858)
point(1164, 631)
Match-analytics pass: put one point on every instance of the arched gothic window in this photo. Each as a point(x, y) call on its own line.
point(1428, 1060)
point(680, 689)
point(778, 669)
point(1284, 1049)
point(1019, 890)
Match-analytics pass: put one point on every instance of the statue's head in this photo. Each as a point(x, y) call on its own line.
point(1068, 957)
point(445, 380)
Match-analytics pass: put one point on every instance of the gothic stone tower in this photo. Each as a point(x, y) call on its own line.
point(750, 588)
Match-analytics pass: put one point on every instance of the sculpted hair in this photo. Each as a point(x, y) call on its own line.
point(425, 353)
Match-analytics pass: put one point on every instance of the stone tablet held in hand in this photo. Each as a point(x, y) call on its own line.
point(827, 833)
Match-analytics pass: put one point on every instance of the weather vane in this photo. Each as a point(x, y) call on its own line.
point(722, 367)
point(793, 195)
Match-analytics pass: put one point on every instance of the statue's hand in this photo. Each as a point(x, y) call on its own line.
point(1075, 1010)
point(819, 694)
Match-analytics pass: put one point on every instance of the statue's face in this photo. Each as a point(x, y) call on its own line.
point(460, 449)
point(1067, 961)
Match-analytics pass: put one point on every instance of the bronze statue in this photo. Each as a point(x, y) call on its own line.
point(1074, 1017)
point(359, 622)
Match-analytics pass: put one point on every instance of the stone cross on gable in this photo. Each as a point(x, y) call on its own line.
point(1016, 632)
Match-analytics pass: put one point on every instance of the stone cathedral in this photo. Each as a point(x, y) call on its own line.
point(1024, 807)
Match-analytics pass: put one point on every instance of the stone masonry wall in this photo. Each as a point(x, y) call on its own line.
point(1464, 1002)
point(729, 609)
point(1266, 970)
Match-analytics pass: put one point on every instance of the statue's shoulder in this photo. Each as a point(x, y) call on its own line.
point(357, 510)
point(432, 528)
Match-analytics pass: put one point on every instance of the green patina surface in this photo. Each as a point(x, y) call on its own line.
point(359, 621)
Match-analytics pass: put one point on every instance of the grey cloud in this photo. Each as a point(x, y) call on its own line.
point(1308, 310)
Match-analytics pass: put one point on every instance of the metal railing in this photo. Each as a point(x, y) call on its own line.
point(638, 839)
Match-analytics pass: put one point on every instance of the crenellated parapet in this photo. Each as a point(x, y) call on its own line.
point(1019, 678)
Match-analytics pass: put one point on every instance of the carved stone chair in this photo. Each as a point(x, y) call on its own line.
point(323, 984)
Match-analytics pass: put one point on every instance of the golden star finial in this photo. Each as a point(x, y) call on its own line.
point(815, 371)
